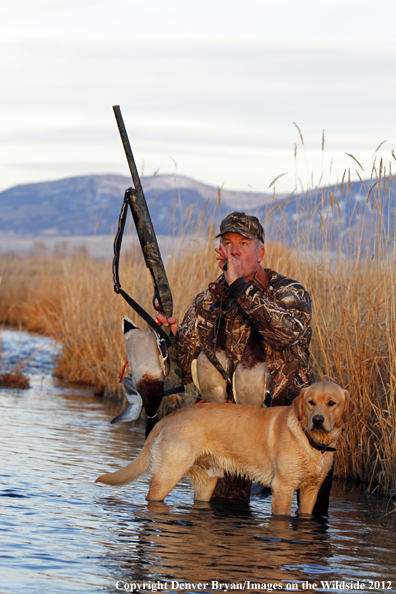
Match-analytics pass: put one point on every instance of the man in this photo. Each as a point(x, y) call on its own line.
point(252, 301)
point(246, 310)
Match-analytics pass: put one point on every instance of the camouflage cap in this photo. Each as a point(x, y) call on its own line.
point(246, 225)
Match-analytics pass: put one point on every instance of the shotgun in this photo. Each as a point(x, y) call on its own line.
point(162, 299)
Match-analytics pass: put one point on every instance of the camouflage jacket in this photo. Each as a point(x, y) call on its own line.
point(275, 311)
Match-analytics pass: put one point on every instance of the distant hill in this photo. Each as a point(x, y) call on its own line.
point(91, 204)
point(355, 214)
point(88, 205)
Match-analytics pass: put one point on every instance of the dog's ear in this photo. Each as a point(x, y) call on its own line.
point(349, 407)
point(298, 404)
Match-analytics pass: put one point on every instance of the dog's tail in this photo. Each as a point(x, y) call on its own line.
point(136, 468)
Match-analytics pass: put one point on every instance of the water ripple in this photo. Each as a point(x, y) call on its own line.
point(60, 532)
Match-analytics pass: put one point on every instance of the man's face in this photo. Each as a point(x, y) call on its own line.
point(245, 250)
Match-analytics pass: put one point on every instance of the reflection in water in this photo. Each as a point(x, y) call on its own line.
point(203, 542)
point(61, 532)
point(200, 543)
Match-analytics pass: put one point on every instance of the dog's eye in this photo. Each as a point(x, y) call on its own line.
point(331, 403)
point(311, 402)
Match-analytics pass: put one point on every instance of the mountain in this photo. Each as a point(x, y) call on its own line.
point(356, 215)
point(90, 204)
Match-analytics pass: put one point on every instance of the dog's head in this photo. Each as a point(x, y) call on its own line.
point(323, 407)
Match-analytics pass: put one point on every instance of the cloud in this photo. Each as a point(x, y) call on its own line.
point(220, 98)
point(263, 18)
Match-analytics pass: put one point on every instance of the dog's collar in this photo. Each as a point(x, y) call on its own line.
point(321, 447)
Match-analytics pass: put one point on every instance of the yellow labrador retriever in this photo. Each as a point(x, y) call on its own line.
point(285, 448)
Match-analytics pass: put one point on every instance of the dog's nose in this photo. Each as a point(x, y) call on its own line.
point(318, 420)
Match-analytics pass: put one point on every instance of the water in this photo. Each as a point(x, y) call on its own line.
point(62, 533)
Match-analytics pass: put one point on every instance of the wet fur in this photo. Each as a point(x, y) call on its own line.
point(266, 445)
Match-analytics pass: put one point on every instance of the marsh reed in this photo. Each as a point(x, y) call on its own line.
point(352, 283)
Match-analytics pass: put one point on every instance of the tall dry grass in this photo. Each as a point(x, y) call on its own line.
point(71, 299)
point(354, 319)
point(352, 281)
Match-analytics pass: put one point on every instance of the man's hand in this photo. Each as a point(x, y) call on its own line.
point(172, 322)
point(234, 266)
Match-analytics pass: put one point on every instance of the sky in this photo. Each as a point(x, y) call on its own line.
point(233, 93)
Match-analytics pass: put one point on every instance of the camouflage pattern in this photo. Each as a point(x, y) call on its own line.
point(232, 487)
point(154, 263)
point(151, 252)
point(275, 312)
point(243, 224)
